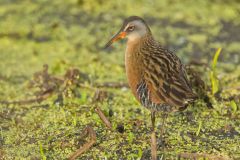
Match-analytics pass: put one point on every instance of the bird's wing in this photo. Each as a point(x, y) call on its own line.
point(166, 78)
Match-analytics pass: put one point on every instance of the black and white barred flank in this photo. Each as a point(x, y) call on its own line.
point(144, 97)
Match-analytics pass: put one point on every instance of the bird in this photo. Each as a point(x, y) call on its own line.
point(156, 76)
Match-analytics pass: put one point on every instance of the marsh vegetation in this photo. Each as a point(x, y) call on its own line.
point(52, 64)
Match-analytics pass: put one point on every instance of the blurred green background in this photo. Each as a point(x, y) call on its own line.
point(71, 34)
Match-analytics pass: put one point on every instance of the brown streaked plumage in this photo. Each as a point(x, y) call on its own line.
point(155, 75)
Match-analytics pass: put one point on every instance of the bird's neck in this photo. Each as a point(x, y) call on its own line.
point(147, 41)
point(133, 61)
point(135, 44)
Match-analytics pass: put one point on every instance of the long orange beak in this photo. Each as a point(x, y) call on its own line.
point(115, 38)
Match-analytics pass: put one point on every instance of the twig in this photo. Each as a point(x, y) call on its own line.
point(86, 146)
point(28, 101)
point(86, 86)
point(112, 85)
point(103, 117)
point(197, 63)
point(153, 146)
point(201, 155)
point(231, 88)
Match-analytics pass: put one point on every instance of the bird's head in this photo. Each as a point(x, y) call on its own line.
point(133, 28)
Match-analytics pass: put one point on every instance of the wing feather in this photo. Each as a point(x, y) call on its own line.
point(166, 76)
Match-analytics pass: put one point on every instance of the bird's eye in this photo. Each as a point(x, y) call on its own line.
point(130, 28)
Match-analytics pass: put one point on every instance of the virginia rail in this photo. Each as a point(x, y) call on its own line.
point(155, 75)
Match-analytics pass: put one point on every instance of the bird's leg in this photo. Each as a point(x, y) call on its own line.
point(153, 120)
point(162, 130)
point(153, 138)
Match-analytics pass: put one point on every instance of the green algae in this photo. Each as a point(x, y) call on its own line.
point(71, 34)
